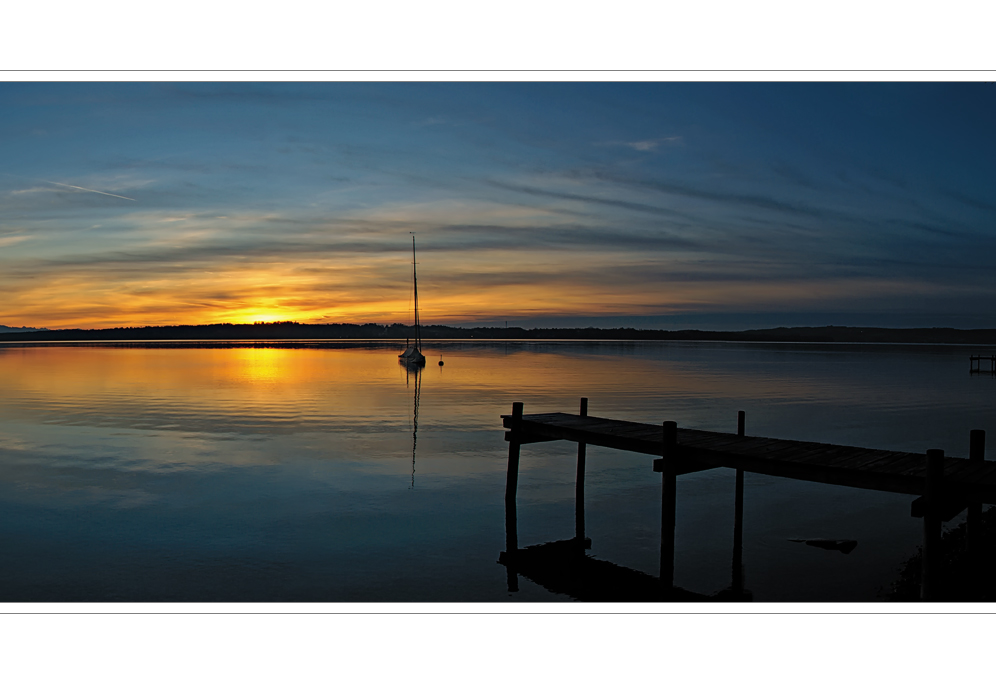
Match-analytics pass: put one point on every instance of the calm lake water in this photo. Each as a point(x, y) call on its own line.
point(297, 472)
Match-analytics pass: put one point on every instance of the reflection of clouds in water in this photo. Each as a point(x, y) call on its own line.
point(78, 486)
point(10, 443)
point(116, 498)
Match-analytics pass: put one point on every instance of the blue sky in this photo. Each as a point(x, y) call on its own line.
point(711, 205)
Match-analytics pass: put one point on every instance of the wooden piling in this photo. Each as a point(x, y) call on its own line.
point(511, 484)
point(669, 481)
point(932, 493)
point(738, 519)
point(579, 484)
point(976, 452)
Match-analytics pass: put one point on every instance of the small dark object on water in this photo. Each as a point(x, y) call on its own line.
point(842, 545)
point(440, 359)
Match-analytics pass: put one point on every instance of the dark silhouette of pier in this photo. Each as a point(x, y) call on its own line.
point(975, 364)
point(944, 487)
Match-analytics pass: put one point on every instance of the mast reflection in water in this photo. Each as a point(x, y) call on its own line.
point(417, 372)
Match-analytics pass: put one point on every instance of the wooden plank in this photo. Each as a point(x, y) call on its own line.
point(535, 417)
point(820, 457)
point(973, 471)
point(954, 467)
point(718, 443)
point(893, 464)
point(753, 447)
point(900, 466)
point(861, 459)
point(871, 461)
point(696, 435)
point(634, 431)
point(918, 468)
point(848, 458)
point(813, 461)
point(785, 453)
point(739, 444)
point(777, 449)
point(585, 422)
point(646, 436)
point(822, 452)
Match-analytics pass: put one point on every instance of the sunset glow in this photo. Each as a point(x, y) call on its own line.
point(645, 204)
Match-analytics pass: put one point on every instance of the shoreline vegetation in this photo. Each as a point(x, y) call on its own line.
point(287, 330)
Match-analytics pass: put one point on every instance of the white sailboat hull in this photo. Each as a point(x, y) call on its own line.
point(412, 356)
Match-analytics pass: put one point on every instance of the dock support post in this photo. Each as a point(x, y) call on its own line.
point(669, 481)
point(579, 485)
point(511, 484)
point(738, 520)
point(930, 559)
point(976, 452)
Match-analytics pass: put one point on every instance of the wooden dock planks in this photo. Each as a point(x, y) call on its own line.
point(877, 469)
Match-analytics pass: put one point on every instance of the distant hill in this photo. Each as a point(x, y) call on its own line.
point(8, 329)
point(397, 331)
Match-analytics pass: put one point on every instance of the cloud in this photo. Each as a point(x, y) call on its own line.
point(590, 199)
point(644, 145)
point(13, 240)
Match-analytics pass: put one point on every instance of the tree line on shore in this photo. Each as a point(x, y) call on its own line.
point(289, 330)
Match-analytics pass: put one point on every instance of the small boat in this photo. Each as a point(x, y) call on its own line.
point(412, 356)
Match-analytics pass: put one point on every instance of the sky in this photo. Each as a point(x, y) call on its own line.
point(642, 204)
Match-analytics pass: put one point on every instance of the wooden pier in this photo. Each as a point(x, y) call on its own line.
point(944, 486)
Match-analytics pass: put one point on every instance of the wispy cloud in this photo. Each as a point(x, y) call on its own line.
point(13, 240)
point(648, 145)
point(589, 198)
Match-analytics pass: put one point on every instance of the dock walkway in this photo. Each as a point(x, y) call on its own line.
point(886, 471)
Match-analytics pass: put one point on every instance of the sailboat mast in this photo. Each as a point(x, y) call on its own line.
point(418, 331)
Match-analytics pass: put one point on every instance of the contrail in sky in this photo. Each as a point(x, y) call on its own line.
point(74, 187)
point(99, 192)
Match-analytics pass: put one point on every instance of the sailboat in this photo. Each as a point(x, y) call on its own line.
point(413, 355)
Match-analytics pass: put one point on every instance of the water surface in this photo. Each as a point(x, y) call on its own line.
point(300, 472)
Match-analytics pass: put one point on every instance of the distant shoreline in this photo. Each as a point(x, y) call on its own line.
point(372, 332)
